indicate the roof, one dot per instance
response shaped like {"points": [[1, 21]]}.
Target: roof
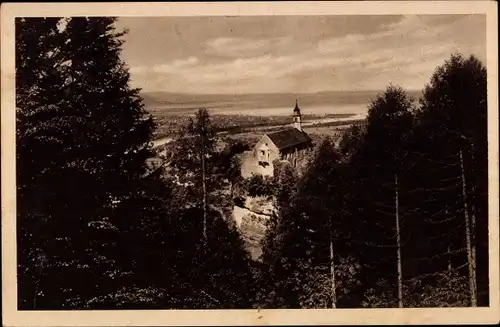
{"points": [[287, 138], [296, 109]]}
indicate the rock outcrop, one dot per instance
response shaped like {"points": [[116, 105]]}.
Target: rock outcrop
{"points": [[251, 220]]}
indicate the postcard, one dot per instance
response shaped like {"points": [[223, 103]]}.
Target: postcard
{"points": [[249, 163]]}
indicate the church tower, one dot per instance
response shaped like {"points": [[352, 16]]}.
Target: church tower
{"points": [[297, 118]]}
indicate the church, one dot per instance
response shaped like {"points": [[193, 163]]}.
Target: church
{"points": [[289, 144]]}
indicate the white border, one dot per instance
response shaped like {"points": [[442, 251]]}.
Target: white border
{"points": [[12, 317]]}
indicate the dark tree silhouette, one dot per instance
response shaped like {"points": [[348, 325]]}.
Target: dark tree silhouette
{"points": [[82, 143], [453, 123]]}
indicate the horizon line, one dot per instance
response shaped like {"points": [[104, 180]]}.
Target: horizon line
{"points": [[273, 93]]}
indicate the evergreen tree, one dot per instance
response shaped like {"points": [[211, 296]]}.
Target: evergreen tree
{"points": [[306, 251], [192, 160], [40, 133], [217, 270], [92, 127], [381, 168], [441, 188], [351, 141], [453, 119], [113, 132], [284, 181]]}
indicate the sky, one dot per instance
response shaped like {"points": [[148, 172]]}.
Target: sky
{"points": [[299, 54]]}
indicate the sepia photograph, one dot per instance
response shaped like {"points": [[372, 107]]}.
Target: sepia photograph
{"points": [[170, 158]]}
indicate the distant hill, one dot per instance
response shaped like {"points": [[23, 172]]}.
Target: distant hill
{"points": [[162, 99]]}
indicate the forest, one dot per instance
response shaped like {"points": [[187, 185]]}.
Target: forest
{"points": [[395, 216]]}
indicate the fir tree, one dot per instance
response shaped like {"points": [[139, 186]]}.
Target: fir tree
{"points": [[453, 119], [381, 166], [95, 134], [306, 251], [40, 133], [217, 268]]}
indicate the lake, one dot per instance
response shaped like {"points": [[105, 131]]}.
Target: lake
{"points": [[344, 102]]}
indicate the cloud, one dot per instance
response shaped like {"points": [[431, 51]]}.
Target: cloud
{"points": [[240, 47], [405, 51], [338, 44], [170, 67]]}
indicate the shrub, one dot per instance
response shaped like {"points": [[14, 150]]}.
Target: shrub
{"points": [[239, 201], [258, 185]]}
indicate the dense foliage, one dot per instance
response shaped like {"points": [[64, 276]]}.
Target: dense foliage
{"points": [[81, 156], [395, 215], [97, 229], [402, 205]]}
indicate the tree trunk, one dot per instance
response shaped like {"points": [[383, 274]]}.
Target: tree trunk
{"points": [[449, 258], [473, 220], [332, 276], [204, 185], [398, 240], [35, 296], [471, 264]]}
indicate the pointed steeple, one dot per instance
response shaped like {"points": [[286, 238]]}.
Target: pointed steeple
{"points": [[297, 117], [296, 109]]}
